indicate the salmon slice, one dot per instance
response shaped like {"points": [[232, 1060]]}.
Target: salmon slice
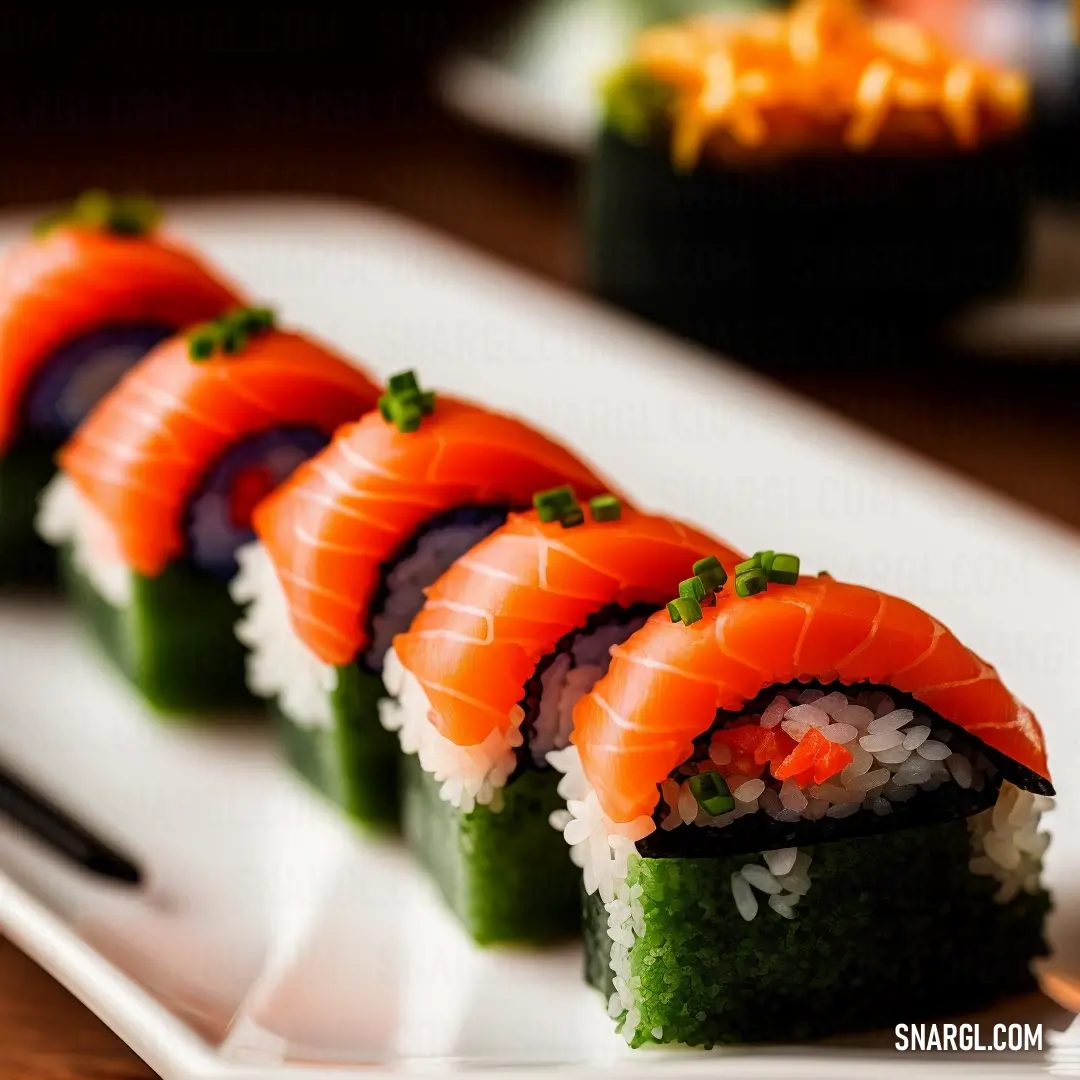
{"points": [[142, 453], [504, 605], [666, 683], [71, 281], [349, 510]]}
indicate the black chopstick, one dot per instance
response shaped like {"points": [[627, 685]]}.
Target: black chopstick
{"points": [[49, 824]]}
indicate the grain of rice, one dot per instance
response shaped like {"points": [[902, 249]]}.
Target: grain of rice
{"points": [[1022, 807], [809, 714], [792, 797], [861, 763], [881, 806], [884, 706], [890, 721], [775, 711], [808, 696], [780, 860], [786, 910], [870, 780], [832, 703], [886, 740], [748, 792], [769, 801], [797, 881], [657, 1033], [720, 753], [761, 879], [840, 733], [795, 728], [895, 755], [933, 750], [915, 770], [745, 900], [688, 806], [858, 716], [982, 865], [815, 809], [960, 769], [842, 811], [916, 736], [789, 815]]}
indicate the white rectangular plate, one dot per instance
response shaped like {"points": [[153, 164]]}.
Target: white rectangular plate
{"points": [[272, 942]]}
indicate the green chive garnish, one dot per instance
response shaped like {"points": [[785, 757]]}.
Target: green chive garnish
{"points": [[605, 508], [552, 504], [783, 569], [824, 573], [693, 589], [753, 563], [765, 560], [574, 516], [712, 793], [124, 215], [404, 404], [402, 382], [684, 610], [201, 345], [713, 575], [228, 333], [750, 582]]}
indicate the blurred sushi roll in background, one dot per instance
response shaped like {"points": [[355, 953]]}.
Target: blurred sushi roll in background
{"points": [[483, 684], [96, 287], [346, 549], [812, 184], [805, 810], [157, 487]]}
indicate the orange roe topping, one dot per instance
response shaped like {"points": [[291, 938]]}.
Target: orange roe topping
{"points": [[823, 76]]}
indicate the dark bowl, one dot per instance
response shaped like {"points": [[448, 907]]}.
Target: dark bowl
{"points": [[809, 260]]}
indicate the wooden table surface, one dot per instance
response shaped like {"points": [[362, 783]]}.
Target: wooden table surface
{"points": [[1013, 428]]}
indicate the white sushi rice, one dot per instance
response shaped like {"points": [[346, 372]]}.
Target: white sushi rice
{"points": [[279, 663], [470, 775], [65, 518], [473, 775], [895, 754]]}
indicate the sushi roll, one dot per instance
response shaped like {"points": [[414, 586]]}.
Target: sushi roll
{"points": [[347, 548], [156, 490], [806, 810], [807, 184], [484, 683], [95, 288]]}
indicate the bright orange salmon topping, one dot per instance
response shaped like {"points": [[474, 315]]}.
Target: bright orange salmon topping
{"points": [[823, 76]]}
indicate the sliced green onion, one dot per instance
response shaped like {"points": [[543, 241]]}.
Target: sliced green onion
{"points": [[553, 503], [712, 573], [605, 507], [824, 573], [128, 215], [753, 563], [255, 320], [402, 381], [712, 793], [574, 516], [684, 610], [427, 402], [693, 589], [202, 343], [764, 560], [750, 582], [784, 569]]}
